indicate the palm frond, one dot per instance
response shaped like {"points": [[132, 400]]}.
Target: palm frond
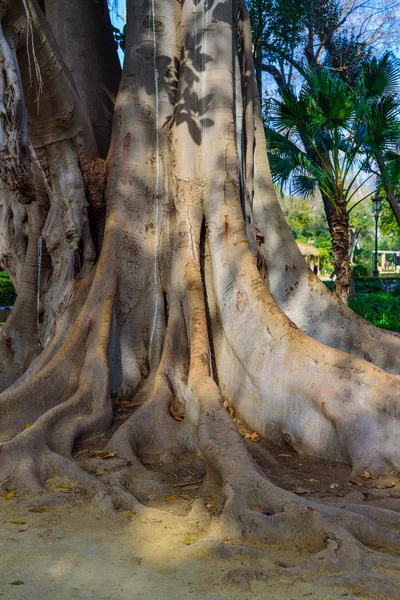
{"points": [[381, 75], [288, 112], [303, 185], [390, 176], [329, 96], [383, 125]]}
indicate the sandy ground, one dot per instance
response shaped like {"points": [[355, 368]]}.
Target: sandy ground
{"points": [[174, 550], [76, 551]]}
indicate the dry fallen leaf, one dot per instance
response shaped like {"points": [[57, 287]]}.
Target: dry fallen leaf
{"points": [[312, 480], [366, 475], [285, 455], [15, 522], [104, 454], [385, 486], [226, 403], [254, 437], [28, 425], [19, 528], [187, 540], [174, 414], [10, 495], [64, 486], [357, 482], [173, 496]]}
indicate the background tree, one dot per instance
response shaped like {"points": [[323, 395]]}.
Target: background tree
{"points": [[315, 143], [336, 136], [338, 34], [198, 297], [307, 220], [379, 113]]}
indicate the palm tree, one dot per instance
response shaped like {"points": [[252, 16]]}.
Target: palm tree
{"points": [[379, 113], [316, 142]]}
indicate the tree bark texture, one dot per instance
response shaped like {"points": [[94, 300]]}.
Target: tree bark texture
{"points": [[82, 29], [341, 250], [199, 297]]}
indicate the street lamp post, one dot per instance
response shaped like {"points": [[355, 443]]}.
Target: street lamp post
{"points": [[376, 203]]}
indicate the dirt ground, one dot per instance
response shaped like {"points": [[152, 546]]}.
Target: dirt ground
{"points": [[73, 550], [65, 547]]}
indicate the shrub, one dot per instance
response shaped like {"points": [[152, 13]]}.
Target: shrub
{"points": [[7, 292], [360, 271], [380, 309]]}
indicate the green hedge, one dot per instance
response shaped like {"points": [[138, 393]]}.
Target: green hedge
{"points": [[7, 292], [380, 309], [373, 303], [370, 285]]}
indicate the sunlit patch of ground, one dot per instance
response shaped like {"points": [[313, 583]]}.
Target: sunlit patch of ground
{"points": [[74, 550], [174, 550]]}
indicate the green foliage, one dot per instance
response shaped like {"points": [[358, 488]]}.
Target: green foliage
{"points": [[309, 226], [389, 228], [314, 138], [380, 309], [290, 35], [346, 54], [360, 271], [7, 292], [376, 306], [380, 76], [277, 24], [369, 285], [333, 136]]}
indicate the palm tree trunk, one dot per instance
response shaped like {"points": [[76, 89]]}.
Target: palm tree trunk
{"points": [[341, 250]]}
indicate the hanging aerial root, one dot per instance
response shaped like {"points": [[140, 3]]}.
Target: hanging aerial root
{"points": [[15, 166]]}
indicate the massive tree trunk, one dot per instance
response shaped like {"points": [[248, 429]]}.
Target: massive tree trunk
{"points": [[198, 298]]}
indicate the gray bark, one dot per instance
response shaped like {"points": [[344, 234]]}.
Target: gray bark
{"points": [[82, 29]]}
